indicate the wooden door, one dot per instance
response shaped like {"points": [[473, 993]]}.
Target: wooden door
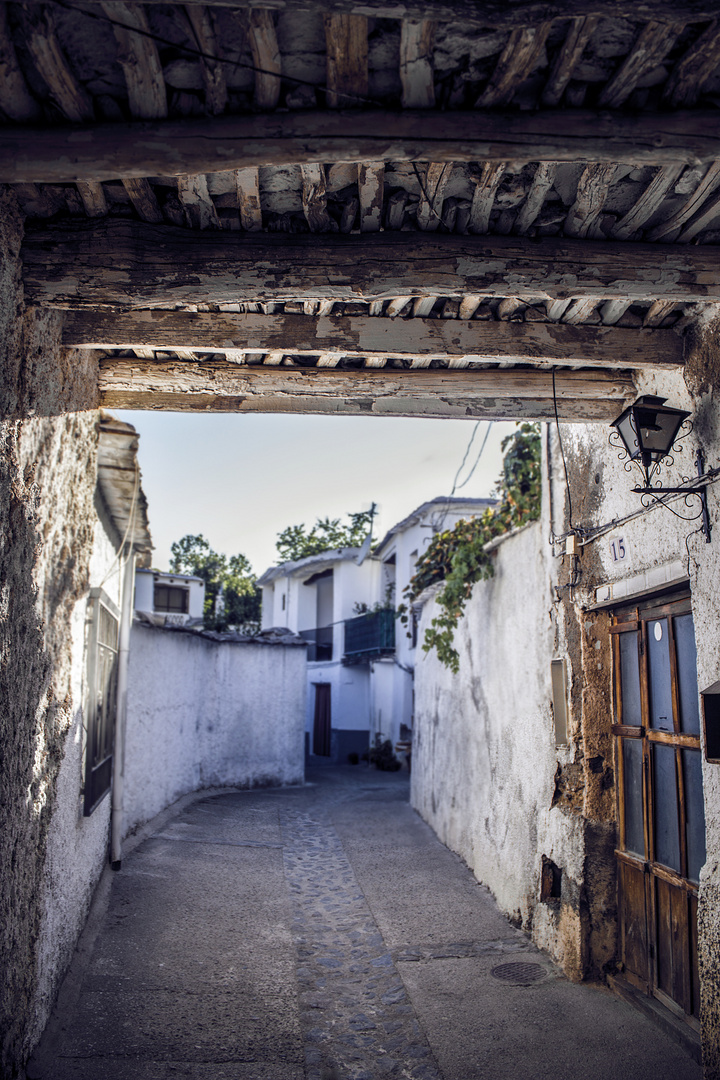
{"points": [[322, 721], [661, 808]]}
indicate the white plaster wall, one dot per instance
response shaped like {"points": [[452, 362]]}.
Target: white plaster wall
{"points": [[484, 753], [77, 845], [203, 714]]}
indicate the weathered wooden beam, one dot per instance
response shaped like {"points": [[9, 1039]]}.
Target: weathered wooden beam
{"points": [[16, 101], [248, 192], [222, 386], [266, 58], [648, 203], [515, 64], [495, 13], [353, 335], [125, 263], [569, 56], [213, 72], [429, 211], [175, 147], [592, 191], [346, 40], [139, 59], [416, 63], [654, 42], [38, 24], [691, 73]]}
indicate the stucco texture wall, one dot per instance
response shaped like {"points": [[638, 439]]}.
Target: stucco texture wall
{"points": [[47, 482], [203, 713], [484, 756]]}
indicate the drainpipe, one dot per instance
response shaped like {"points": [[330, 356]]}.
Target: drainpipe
{"points": [[121, 714]]}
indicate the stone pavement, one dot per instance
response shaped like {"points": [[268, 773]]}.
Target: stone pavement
{"points": [[323, 933]]}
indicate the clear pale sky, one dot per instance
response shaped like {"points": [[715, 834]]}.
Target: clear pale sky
{"points": [[240, 480]]}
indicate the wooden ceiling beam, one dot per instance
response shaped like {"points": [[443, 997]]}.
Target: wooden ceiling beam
{"points": [[353, 336], [227, 387], [123, 264], [495, 13], [174, 147]]}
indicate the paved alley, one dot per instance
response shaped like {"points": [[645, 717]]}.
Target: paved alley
{"points": [[323, 933]]}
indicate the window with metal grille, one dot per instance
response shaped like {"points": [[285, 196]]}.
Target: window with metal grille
{"points": [[101, 698], [171, 598]]}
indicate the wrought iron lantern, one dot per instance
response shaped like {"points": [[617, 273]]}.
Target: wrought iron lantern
{"points": [[648, 429], [647, 433]]}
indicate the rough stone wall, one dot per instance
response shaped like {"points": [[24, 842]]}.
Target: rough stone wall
{"points": [[203, 713], [47, 481]]}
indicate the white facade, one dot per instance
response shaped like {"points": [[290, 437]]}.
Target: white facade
{"points": [[314, 597], [370, 695], [169, 599], [398, 553]]}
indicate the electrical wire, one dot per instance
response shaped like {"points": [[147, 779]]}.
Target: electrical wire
{"points": [[202, 55], [469, 476], [437, 524], [423, 189]]}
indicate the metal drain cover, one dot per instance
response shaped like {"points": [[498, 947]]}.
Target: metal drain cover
{"points": [[519, 974]]}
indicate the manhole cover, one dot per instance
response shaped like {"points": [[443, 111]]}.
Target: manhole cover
{"points": [[520, 974]]}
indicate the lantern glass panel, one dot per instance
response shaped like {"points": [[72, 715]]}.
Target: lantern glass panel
{"points": [[657, 430], [627, 433]]}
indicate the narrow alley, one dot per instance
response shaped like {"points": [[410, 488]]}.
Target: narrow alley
{"points": [[323, 933]]}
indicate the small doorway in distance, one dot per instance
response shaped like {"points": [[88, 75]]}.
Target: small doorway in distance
{"points": [[322, 721]]}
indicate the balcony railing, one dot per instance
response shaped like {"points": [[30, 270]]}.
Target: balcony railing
{"points": [[320, 645], [369, 636]]}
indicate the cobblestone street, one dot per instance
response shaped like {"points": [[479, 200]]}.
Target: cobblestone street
{"points": [[323, 933]]}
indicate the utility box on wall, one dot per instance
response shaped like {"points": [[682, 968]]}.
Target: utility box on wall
{"points": [[711, 722]]}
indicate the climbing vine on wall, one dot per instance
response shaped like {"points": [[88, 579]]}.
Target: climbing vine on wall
{"points": [[458, 557]]}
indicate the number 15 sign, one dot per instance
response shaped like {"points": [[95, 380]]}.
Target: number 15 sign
{"points": [[618, 549]]}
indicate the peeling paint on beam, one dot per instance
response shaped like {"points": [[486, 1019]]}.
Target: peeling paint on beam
{"points": [[577, 410], [129, 264], [353, 336], [176, 147], [581, 395]]}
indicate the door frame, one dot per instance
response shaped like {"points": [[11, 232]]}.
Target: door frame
{"points": [[677, 888]]}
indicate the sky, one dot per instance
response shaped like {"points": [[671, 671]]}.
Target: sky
{"points": [[240, 479]]}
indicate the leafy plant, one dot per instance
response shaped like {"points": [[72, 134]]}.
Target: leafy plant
{"points": [[458, 556], [232, 579], [327, 534]]}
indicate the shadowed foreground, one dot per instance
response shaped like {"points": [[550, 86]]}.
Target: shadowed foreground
{"points": [[323, 933]]}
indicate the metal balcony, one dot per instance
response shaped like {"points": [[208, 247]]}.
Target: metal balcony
{"points": [[320, 645], [369, 636]]}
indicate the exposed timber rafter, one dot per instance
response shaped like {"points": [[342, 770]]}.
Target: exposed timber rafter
{"points": [[176, 147], [118, 263], [227, 387], [496, 13], [363, 336]]}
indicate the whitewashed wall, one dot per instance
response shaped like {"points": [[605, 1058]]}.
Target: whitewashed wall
{"points": [[484, 754], [204, 713], [77, 846]]}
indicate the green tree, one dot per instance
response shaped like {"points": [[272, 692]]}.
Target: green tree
{"points": [[234, 576], [327, 534], [458, 556]]}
